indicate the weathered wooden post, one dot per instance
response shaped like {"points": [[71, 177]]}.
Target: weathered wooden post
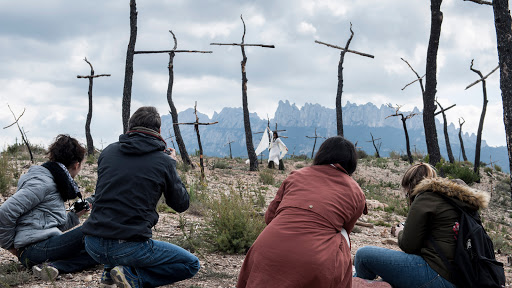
{"points": [[404, 125], [339, 113], [253, 159], [196, 127], [314, 143], [174, 112], [90, 145]]}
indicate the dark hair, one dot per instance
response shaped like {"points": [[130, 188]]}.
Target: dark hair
{"points": [[147, 117], [275, 133], [66, 150], [337, 150]]}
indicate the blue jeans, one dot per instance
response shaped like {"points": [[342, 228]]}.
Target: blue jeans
{"points": [[156, 263], [65, 252], [397, 268]]}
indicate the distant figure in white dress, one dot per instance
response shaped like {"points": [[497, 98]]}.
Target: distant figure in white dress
{"points": [[277, 151]]}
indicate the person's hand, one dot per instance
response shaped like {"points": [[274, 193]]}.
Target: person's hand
{"points": [[172, 154], [83, 212], [399, 227], [13, 251]]}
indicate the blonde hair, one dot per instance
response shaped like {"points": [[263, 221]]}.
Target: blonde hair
{"points": [[415, 174]]}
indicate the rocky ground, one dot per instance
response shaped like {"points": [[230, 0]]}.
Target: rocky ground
{"points": [[221, 270]]}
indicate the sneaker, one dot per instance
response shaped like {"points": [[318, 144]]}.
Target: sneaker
{"points": [[124, 278], [106, 280], [45, 271]]}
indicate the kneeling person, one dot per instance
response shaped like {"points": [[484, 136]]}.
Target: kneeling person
{"points": [[132, 175]]}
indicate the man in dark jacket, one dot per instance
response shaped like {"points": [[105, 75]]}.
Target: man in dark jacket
{"points": [[132, 175]]}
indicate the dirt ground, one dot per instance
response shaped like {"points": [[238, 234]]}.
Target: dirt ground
{"points": [[221, 270]]}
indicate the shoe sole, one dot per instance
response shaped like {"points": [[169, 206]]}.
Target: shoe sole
{"points": [[119, 278], [46, 273]]}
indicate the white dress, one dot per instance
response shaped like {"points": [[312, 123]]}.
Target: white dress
{"points": [[277, 150]]}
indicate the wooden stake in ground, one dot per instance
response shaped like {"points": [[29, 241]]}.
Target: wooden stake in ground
{"points": [[196, 127], [230, 154], [476, 164], [339, 112], [174, 112], [314, 143], [22, 132], [460, 140], [404, 119], [90, 145], [376, 146], [128, 70], [445, 127], [253, 159]]}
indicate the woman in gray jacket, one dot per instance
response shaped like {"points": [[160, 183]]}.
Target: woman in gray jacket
{"points": [[33, 221]]}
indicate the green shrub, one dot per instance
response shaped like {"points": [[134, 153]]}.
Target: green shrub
{"points": [[233, 223], [13, 274], [457, 171], [221, 165], [394, 155], [361, 154], [267, 177], [487, 170], [497, 168]]}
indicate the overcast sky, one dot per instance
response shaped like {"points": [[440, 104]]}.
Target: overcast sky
{"points": [[43, 44]]}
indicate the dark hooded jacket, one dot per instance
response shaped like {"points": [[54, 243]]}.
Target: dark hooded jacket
{"points": [[431, 214], [132, 175]]}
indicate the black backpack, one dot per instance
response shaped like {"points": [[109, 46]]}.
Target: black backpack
{"points": [[475, 264]]}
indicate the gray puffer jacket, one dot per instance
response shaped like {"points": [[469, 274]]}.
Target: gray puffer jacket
{"points": [[35, 212]]}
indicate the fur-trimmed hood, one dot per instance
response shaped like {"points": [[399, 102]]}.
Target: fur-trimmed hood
{"points": [[475, 198]]}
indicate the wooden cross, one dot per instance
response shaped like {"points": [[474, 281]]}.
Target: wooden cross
{"points": [[170, 137], [174, 112], [196, 127], [375, 146], [404, 125], [90, 145], [339, 115], [314, 144], [229, 143], [253, 159]]}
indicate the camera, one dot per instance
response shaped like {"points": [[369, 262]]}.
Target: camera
{"points": [[80, 205], [168, 151]]}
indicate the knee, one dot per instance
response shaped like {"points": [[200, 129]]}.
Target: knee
{"points": [[364, 253], [193, 267]]}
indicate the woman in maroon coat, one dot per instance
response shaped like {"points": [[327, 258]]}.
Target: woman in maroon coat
{"points": [[305, 243]]}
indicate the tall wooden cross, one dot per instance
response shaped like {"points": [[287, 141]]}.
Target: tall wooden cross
{"points": [[196, 127], [253, 159], [170, 137], [339, 118], [314, 144], [90, 145], [174, 112]]}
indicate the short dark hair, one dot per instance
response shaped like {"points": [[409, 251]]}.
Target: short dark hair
{"points": [[66, 150], [337, 150], [147, 117]]}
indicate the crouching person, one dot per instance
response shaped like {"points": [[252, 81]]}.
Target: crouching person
{"points": [[34, 224], [132, 175]]}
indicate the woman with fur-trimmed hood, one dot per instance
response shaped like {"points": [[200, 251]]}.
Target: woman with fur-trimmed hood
{"points": [[429, 214]]}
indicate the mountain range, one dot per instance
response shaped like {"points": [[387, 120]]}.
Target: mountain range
{"points": [[358, 122]]}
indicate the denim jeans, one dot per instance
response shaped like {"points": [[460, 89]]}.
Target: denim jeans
{"points": [[397, 268], [65, 252], [156, 263]]}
